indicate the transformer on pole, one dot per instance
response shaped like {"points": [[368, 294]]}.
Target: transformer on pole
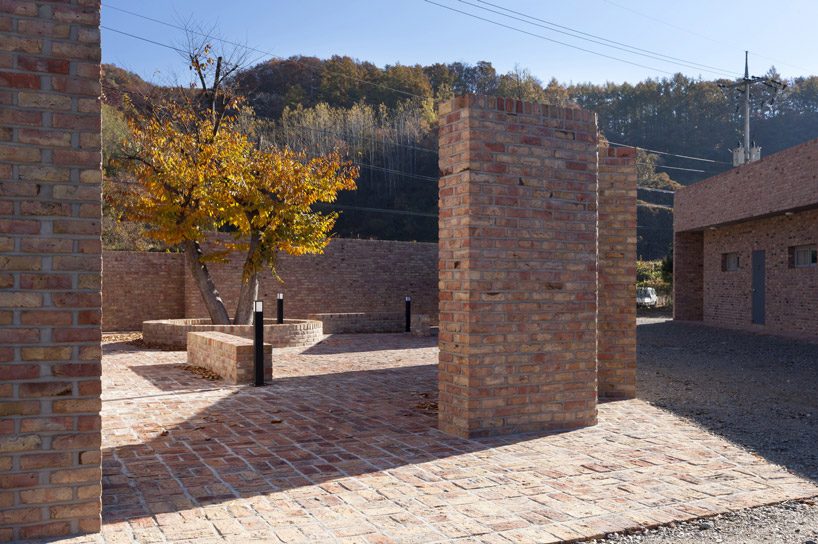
{"points": [[747, 151]]}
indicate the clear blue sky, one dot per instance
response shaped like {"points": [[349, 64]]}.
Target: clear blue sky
{"points": [[710, 32]]}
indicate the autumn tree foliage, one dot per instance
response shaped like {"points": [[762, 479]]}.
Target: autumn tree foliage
{"points": [[201, 176]]}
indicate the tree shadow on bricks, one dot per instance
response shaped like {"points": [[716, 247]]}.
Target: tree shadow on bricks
{"points": [[757, 391], [296, 432]]}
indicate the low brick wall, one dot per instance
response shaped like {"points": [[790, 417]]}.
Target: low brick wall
{"points": [[231, 357], [173, 333], [357, 276], [342, 323], [141, 285], [369, 276]]}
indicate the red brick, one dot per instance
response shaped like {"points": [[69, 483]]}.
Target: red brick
{"points": [[18, 372], [44, 530], [45, 389], [42, 64], [76, 334], [19, 81]]}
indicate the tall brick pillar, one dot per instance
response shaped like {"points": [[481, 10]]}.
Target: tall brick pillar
{"points": [[518, 276], [617, 273], [688, 276], [49, 268]]}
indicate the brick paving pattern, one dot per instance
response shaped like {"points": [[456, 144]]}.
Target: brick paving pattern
{"points": [[344, 448]]}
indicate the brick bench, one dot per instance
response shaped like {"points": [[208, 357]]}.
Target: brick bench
{"points": [[422, 325], [231, 357]]}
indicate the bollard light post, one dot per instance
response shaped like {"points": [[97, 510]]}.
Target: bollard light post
{"points": [[258, 342], [280, 308], [408, 313]]}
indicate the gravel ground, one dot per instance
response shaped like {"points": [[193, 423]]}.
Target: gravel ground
{"points": [[760, 392]]}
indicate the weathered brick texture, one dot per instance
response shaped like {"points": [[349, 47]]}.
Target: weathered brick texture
{"points": [[617, 273], [138, 286], [777, 183], [351, 323], [518, 273], [229, 356], [769, 205], [350, 276], [790, 292], [688, 276], [174, 333], [49, 268]]}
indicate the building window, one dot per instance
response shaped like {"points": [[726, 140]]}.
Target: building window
{"points": [[803, 256], [729, 262]]}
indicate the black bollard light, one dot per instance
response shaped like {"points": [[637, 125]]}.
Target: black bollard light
{"points": [[280, 308], [258, 342], [408, 313]]}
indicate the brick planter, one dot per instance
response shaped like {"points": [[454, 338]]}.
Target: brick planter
{"points": [[172, 333]]}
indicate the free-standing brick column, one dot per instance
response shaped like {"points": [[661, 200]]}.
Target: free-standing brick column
{"points": [[518, 245], [617, 273], [688, 275], [49, 268]]}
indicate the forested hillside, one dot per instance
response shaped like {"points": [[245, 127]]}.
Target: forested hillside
{"points": [[384, 120]]}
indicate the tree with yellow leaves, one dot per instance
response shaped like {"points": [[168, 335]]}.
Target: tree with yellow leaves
{"points": [[197, 171]]}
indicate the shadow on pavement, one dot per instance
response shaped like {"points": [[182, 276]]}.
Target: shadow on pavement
{"points": [[758, 391]]}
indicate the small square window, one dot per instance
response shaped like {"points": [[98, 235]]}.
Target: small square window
{"points": [[729, 262], [804, 256]]}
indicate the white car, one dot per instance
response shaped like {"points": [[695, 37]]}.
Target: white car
{"points": [[646, 297]]}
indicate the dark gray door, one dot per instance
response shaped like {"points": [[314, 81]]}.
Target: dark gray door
{"points": [[759, 290]]}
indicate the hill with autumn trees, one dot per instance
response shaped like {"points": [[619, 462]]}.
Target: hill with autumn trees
{"points": [[383, 119]]}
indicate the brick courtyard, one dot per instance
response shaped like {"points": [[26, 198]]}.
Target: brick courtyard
{"points": [[344, 448]]}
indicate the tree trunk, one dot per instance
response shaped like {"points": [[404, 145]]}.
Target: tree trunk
{"points": [[210, 295], [249, 286]]}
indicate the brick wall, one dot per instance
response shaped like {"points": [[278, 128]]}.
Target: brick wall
{"points": [[518, 271], [138, 286], [790, 292], [688, 281], [782, 181], [350, 276], [49, 268], [617, 273]]}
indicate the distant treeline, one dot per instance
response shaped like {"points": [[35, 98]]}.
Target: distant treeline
{"points": [[384, 119]]}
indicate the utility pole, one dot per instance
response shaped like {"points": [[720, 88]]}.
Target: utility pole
{"points": [[748, 153]]}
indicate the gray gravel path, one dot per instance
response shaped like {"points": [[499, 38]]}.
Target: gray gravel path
{"points": [[760, 392]]}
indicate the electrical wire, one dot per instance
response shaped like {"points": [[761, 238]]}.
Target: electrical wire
{"points": [[379, 210], [246, 47], [708, 38], [568, 31], [369, 138], [689, 157], [520, 30]]}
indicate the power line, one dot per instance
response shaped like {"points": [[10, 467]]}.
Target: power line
{"points": [[708, 38], [514, 28], [568, 31], [360, 137], [248, 48], [359, 164], [160, 44], [655, 190], [679, 168], [379, 210], [399, 172], [689, 157]]}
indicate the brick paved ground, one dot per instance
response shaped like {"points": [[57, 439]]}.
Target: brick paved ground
{"points": [[343, 448]]}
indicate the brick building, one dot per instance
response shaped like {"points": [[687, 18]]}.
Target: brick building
{"points": [[745, 246]]}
